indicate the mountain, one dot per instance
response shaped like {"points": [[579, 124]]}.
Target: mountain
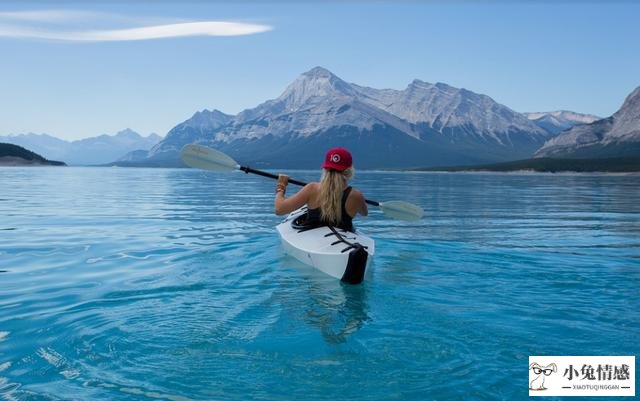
{"points": [[555, 122], [192, 130], [134, 156], [106, 148], [423, 124], [615, 136], [14, 155], [90, 151], [440, 106]]}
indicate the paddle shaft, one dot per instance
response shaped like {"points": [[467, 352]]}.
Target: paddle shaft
{"points": [[248, 170]]}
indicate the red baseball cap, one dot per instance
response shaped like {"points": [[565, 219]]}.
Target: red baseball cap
{"points": [[337, 159]]}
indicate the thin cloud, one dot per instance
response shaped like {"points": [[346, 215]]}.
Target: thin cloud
{"points": [[37, 25], [207, 28], [47, 15]]}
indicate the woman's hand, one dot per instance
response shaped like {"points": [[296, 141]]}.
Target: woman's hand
{"points": [[283, 181], [287, 205]]}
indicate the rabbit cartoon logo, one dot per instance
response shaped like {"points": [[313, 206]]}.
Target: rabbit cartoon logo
{"points": [[540, 372]]}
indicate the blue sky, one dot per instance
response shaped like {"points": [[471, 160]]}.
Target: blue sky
{"points": [[72, 70]]}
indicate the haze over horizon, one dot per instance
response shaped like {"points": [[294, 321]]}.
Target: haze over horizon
{"points": [[83, 70]]}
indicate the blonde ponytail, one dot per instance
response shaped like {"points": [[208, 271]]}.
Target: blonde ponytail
{"points": [[332, 185]]}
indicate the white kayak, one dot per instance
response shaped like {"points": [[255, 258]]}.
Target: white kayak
{"points": [[336, 252]]}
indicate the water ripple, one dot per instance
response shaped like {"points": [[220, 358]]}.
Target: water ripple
{"points": [[127, 284]]}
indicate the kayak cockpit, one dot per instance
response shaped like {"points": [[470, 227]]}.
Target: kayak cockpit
{"points": [[341, 254]]}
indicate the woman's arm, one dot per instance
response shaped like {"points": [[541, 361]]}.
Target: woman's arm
{"points": [[285, 205], [359, 204], [363, 209]]}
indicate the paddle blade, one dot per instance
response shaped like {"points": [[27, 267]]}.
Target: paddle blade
{"points": [[198, 156], [401, 210]]}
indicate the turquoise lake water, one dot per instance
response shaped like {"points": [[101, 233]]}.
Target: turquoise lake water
{"points": [[161, 284]]}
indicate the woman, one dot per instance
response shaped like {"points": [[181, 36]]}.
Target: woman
{"points": [[330, 201]]}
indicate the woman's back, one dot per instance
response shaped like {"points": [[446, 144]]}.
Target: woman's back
{"points": [[315, 217], [335, 202]]}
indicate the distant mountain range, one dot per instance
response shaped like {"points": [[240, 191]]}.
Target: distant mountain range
{"points": [[90, 151], [615, 136], [609, 144], [422, 125], [555, 122]]}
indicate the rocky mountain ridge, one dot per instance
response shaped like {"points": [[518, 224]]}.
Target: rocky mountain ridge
{"points": [[423, 124], [614, 136]]}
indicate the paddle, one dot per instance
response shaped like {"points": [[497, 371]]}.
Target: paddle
{"points": [[202, 157]]}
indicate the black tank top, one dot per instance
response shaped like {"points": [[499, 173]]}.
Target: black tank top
{"points": [[314, 215]]}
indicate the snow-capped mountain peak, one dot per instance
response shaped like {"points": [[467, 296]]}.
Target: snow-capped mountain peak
{"points": [[567, 115], [208, 118], [314, 84], [556, 121]]}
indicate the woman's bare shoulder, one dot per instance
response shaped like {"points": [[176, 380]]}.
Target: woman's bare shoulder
{"points": [[311, 190], [357, 194]]}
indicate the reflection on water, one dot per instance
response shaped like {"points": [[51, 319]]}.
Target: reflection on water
{"points": [[336, 309]]}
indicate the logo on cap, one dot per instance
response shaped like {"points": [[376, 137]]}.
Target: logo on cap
{"points": [[337, 159]]}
